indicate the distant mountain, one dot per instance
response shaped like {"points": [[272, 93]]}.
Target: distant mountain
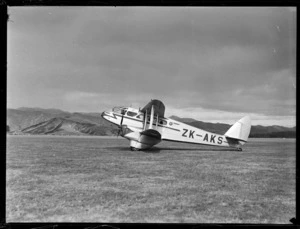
{"points": [[18, 119], [68, 126], [57, 122], [185, 120], [49, 110], [218, 128], [256, 131]]}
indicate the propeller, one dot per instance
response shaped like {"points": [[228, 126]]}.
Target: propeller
{"points": [[121, 127], [122, 130], [119, 131]]}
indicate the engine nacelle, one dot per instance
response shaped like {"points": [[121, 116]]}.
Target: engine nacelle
{"points": [[140, 141]]}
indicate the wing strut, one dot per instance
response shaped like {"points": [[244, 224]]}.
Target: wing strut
{"points": [[145, 123], [151, 118]]}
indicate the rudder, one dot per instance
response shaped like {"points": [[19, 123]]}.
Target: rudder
{"points": [[240, 130]]}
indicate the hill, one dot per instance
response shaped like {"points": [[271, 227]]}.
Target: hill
{"points": [[68, 126], [256, 131], [18, 119], [57, 122]]}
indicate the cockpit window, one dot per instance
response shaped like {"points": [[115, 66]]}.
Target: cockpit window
{"points": [[132, 114]]}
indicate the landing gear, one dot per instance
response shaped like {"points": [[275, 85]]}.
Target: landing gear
{"points": [[239, 149], [134, 149]]}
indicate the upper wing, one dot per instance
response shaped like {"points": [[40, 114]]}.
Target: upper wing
{"points": [[159, 108]]}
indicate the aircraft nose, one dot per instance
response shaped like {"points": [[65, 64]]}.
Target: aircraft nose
{"points": [[103, 113]]}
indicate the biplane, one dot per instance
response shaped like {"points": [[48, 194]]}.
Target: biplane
{"points": [[147, 127]]}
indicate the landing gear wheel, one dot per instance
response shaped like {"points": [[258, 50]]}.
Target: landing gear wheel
{"points": [[239, 149], [134, 149]]}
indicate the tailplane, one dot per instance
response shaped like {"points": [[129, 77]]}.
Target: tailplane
{"points": [[240, 130]]}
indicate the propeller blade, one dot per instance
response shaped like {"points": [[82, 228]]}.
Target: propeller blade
{"points": [[120, 131]]}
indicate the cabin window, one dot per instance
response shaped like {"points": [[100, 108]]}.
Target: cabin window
{"points": [[148, 119], [162, 122], [141, 116], [154, 119], [132, 114]]}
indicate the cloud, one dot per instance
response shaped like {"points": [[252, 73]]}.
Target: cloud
{"points": [[221, 59], [78, 95]]}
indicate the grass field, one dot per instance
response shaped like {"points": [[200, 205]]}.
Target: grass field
{"points": [[75, 179]]}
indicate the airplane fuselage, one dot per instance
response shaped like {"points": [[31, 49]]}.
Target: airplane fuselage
{"points": [[169, 129]]}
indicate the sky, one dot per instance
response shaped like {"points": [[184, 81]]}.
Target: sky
{"points": [[214, 64]]}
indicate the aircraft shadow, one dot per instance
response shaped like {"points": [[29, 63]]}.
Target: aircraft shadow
{"points": [[158, 150], [117, 148], [127, 149]]}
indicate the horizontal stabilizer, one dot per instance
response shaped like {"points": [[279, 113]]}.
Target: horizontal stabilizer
{"points": [[240, 130], [152, 133]]}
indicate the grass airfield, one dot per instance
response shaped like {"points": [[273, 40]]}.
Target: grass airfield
{"points": [[93, 179]]}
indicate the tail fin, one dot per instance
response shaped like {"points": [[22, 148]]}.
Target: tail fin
{"points": [[240, 130]]}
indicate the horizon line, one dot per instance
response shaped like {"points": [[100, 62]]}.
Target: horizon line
{"points": [[168, 117]]}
